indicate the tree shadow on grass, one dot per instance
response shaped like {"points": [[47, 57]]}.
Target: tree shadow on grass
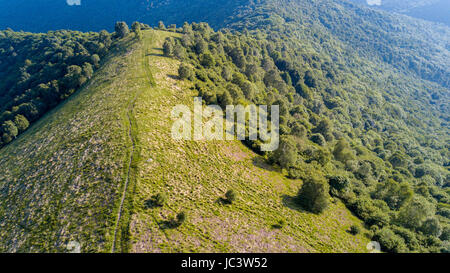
{"points": [[156, 54], [262, 164], [223, 201], [175, 77], [151, 203], [168, 224], [291, 202]]}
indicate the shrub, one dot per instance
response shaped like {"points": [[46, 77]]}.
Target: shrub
{"points": [[313, 195], [354, 230], [181, 218], [160, 199], [230, 196], [185, 72], [122, 29]]}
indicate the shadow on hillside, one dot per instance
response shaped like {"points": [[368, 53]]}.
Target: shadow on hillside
{"points": [[156, 54], [262, 164], [168, 224], [150, 204], [290, 202], [223, 201]]}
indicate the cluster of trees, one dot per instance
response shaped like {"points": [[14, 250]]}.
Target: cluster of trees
{"points": [[333, 137], [38, 71]]}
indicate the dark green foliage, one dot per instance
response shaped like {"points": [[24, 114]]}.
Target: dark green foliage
{"points": [[121, 29], [160, 199], [318, 139], [313, 195], [21, 123], [431, 227], [340, 183], [354, 229], [185, 72], [181, 218], [207, 60], [342, 151], [230, 196], [393, 193]]}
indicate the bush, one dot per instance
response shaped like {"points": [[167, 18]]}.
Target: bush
{"points": [[340, 183], [122, 29], [314, 195], [160, 199], [181, 218], [354, 230], [230, 196], [185, 72]]}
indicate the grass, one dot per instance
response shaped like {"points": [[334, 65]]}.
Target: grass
{"points": [[87, 171]]}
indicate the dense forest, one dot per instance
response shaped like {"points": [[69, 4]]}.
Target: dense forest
{"points": [[40, 70], [343, 134]]}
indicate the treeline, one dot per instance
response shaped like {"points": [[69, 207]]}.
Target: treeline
{"points": [[38, 71], [342, 135]]}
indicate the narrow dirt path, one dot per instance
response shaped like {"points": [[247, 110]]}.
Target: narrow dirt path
{"points": [[146, 72]]}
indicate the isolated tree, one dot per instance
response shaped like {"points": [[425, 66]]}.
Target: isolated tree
{"points": [[230, 196], [160, 199], [314, 195], [179, 52], [121, 29], [105, 38], [181, 218]]}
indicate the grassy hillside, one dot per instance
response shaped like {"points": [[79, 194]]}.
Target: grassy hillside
{"points": [[86, 172], [195, 175]]}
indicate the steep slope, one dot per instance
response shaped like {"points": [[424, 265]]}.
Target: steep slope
{"points": [[86, 171], [195, 175], [61, 180]]}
